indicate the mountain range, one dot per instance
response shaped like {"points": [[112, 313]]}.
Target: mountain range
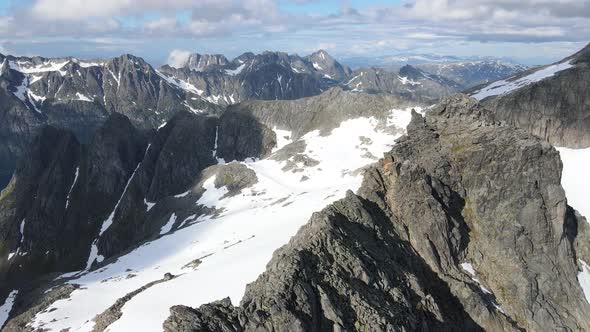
{"points": [[79, 95], [277, 192]]}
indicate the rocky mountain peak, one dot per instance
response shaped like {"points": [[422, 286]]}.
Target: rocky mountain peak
{"points": [[328, 66], [444, 235], [411, 72], [203, 62]]}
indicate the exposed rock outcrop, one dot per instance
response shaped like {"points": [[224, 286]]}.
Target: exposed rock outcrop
{"points": [[80, 96], [46, 221], [462, 226], [556, 108], [324, 112], [408, 82]]}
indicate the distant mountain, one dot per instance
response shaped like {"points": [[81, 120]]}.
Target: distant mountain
{"points": [[465, 71], [550, 101], [408, 82], [80, 95], [401, 59], [266, 76], [204, 62], [471, 73]]}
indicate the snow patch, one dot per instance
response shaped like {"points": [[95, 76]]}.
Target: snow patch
{"points": [[406, 80], [575, 179], [284, 137], [27, 67], [212, 195], [168, 227], [584, 279], [236, 71], [148, 205], [6, 307], [82, 97], [193, 110], [72, 187], [184, 85]]}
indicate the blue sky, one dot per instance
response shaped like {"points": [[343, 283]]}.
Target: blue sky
{"points": [[530, 31]]}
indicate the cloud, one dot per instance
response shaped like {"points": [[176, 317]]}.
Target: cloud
{"points": [[234, 25], [178, 58]]}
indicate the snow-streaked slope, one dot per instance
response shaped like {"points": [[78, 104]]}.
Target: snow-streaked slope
{"points": [[27, 67], [504, 86], [175, 82], [575, 179], [233, 247]]}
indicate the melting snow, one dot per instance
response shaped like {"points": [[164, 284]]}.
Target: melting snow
{"points": [[575, 179], [26, 67], [406, 80], [85, 64], [296, 70], [186, 86], [317, 66], [7, 307], [235, 71], [82, 97], [194, 110], [584, 279], [166, 228], [148, 205], [503, 86], [234, 245], [213, 99]]}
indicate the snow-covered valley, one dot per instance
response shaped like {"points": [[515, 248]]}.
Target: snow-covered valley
{"points": [[213, 256]]}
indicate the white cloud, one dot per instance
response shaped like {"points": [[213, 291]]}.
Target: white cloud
{"points": [[178, 58]]}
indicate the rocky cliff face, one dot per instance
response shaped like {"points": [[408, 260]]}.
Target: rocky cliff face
{"points": [[71, 205], [323, 112], [201, 62], [80, 95], [445, 234], [551, 102], [47, 223]]}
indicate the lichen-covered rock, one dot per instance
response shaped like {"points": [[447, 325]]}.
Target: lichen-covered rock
{"points": [[462, 226]]}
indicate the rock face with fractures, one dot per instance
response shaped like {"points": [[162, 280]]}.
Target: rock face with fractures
{"points": [[80, 96], [556, 108], [462, 226]]}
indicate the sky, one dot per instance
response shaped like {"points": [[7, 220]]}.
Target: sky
{"points": [[527, 31]]}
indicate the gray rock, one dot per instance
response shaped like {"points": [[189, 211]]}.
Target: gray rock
{"points": [[458, 188], [556, 109], [408, 82], [473, 73], [81, 98], [324, 112]]}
